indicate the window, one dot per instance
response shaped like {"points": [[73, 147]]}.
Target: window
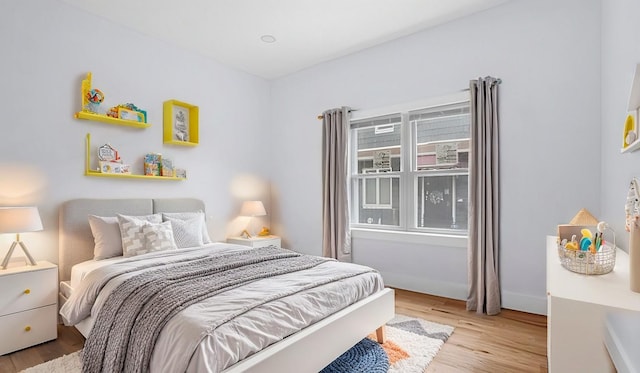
{"points": [[410, 169]]}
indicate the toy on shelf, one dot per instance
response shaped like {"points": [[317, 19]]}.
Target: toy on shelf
{"points": [[128, 111], [109, 161], [630, 133], [94, 99]]}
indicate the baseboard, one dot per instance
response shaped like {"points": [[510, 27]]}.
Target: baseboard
{"points": [[524, 302], [510, 300], [421, 285]]}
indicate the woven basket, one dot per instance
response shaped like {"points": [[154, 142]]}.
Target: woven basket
{"points": [[588, 263]]}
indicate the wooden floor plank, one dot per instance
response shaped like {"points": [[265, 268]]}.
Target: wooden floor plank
{"points": [[509, 342]]}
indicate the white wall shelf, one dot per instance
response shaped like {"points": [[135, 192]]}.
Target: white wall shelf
{"points": [[632, 147]]}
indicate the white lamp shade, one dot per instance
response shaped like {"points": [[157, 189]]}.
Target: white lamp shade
{"points": [[252, 208], [19, 219]]}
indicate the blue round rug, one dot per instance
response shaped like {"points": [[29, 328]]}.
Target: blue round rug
{"points": [[366, 356]]}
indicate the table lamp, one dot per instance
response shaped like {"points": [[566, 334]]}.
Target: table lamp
{"points": [[19, 220], [252, 209]]}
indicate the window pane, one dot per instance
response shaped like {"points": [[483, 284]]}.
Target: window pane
{"points": [[385, 191], [378, 144], [384, 211], [442, 201], [370, 191], [442, 138]]}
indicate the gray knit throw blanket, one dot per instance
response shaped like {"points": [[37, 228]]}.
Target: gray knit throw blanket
{"points": [[133, 315]]}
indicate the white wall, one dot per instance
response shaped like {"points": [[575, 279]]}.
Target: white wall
{"points": [[620, 54], [47, 49], [548, 56]]}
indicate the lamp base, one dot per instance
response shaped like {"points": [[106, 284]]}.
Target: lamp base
{"points": [[5, 262]]}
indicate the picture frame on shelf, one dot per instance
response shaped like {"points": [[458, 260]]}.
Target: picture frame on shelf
{"points": [[133, 115], [107, 153], [180, 123]]}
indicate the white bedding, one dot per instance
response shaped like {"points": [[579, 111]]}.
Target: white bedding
{"points": [[80, 270], [182, 346]]}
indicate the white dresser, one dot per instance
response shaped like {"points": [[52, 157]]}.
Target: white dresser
{"points": [[259, 241], [28, 306], [576, 308]]}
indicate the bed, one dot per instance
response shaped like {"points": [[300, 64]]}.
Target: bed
{"points": [[275, 332]]}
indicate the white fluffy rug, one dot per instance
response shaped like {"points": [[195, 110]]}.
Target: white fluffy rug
{"points": [[411, 345], [66, 364]]}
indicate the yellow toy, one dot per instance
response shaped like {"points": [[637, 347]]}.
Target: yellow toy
{"points": [[264, 232], [629, 134], [573, 245]]}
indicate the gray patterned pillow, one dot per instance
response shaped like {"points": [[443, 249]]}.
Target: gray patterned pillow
{"points": [[158, 237], [187, 233], [189, 216], [133, 242]]}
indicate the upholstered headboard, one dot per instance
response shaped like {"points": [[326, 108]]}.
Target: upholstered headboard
{"points": [[75, 238]]}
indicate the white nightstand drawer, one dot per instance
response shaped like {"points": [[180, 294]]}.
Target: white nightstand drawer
{"points": [[256, 241], [28, 288], [24, 329]]}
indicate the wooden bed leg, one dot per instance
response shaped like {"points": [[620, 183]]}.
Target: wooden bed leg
{"points": [[380, 334]]}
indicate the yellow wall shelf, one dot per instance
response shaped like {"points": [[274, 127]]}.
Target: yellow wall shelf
{"points": [[89, 172], [88, 115], [180, 123], [111, 120]]}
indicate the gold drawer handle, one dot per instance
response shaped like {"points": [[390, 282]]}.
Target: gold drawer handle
{"points": [[27, 328], [27, 291]]}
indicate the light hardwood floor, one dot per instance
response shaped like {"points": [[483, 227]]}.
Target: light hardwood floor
{"points": [[510, 342]]}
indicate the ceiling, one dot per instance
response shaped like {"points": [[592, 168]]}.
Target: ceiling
{"points": [[307, 32]]}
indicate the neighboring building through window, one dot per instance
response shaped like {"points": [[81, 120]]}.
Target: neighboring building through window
{"points": [[410, 169]]}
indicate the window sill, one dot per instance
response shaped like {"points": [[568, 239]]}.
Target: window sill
{"points": [[411, 237]]}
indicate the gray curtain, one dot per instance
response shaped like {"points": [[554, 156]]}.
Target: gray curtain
{"points": [[336, 236], [484, 199]]}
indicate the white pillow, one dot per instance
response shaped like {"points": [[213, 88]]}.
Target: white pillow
{"points": [[189, 216], [158, 237], [187, 233], [106, 236], [133, 242]]}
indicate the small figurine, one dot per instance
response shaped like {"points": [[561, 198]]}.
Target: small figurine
{"points": [[94, 98], [264, 232]]}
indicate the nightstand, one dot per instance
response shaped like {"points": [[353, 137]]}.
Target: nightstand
{"points": [[258, 241], [28, 306]]}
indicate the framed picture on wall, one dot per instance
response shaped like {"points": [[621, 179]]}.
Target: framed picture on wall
{"points": [[180, 124]]}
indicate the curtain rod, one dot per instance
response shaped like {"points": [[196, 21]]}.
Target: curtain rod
{"points": [[498, 81], [320, 117]]}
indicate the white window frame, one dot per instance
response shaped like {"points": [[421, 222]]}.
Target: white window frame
{"points": [[378, 204], [407, 227]]}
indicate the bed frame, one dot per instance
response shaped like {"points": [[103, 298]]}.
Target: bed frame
{"points": [[309, 350]]}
